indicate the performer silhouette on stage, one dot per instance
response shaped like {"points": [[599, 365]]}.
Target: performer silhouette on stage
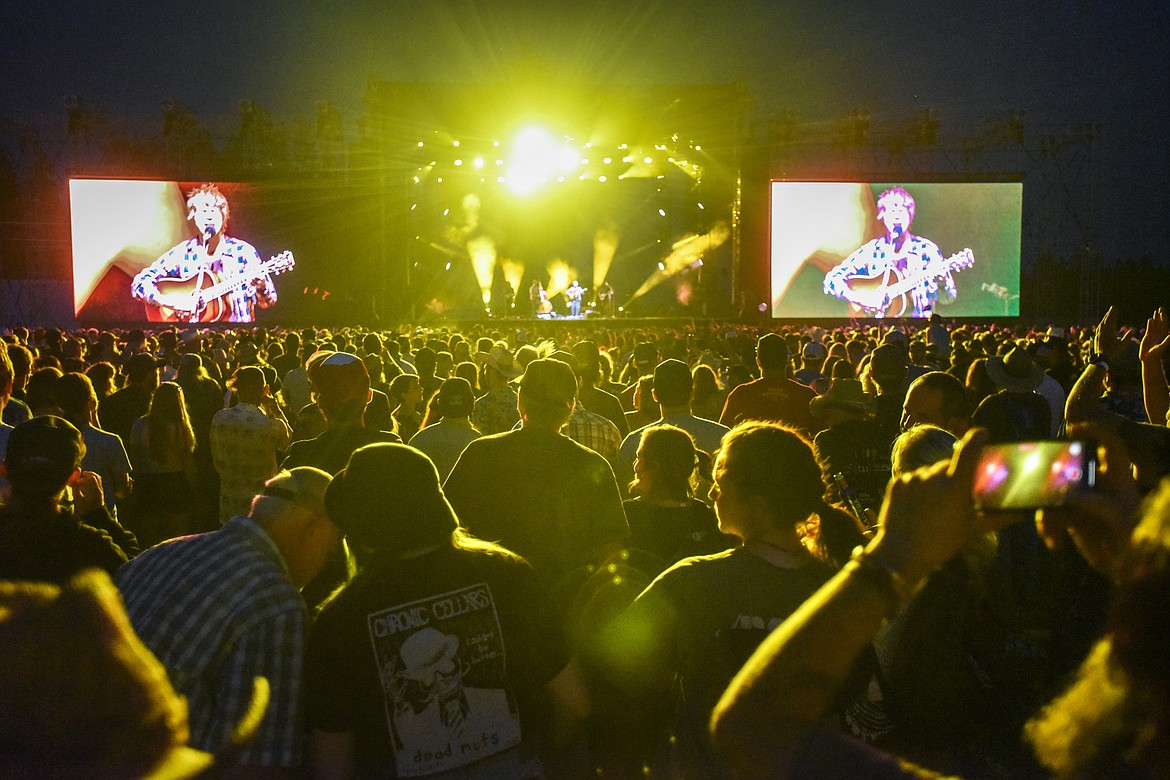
{"points": [[605, 299], [509, 299], [574, 294]]}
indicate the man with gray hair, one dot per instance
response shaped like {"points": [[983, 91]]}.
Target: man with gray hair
{"points": [[221, 608], [210, 256]]}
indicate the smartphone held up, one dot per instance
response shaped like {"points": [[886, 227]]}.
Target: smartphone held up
{"points": [[1033, 474]]}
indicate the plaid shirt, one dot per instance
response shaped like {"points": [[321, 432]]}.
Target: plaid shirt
{"points": [[595, 432], [495, 411], [185, 260], [218, 609]]}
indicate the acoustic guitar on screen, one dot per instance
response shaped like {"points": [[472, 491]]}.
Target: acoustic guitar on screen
{"points": [[203, 296], [884, 293]]}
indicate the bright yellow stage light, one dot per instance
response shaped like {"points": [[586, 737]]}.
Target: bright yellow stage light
{"points": [[482, 251], [513, 272], [687, 252], [560, 275], [536, 158]]}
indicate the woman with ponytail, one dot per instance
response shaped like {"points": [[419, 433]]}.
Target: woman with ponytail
{"points": [[665, 517], [672, 653]]}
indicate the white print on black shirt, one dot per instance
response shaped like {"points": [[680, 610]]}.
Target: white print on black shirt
{"points": [[443, 672]]}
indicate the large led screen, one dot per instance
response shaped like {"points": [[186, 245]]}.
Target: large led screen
{"points": [[894, 249], [167, 251]]}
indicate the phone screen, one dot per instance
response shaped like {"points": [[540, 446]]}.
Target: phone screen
{"points": [[1034, 474]]}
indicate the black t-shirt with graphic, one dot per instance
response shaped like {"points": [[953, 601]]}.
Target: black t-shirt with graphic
{"points": [[435, 664]]}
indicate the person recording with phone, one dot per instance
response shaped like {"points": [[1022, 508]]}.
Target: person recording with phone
{"points": [[1109, 722], [208, 258]]}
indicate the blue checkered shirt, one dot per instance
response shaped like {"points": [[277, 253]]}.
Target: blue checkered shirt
{"points": [[218, 609]]}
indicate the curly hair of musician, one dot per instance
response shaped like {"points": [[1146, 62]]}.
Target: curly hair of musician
{"points": [[215, 194], [896, 192]]}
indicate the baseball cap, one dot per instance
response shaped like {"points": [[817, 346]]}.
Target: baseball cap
{"points": [[814, 350], [340, 377], [455, 398], [388, 496], [42, 454], [142, 363]]}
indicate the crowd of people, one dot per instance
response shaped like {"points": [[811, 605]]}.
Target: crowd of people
{"points": [[702, 550]]}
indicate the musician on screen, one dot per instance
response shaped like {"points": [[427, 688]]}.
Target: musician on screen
{"points": [[212, 261], [898, 274]]}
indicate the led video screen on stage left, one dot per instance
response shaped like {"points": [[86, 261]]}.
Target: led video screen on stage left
{"points": [[894, 249], [127, 232]]}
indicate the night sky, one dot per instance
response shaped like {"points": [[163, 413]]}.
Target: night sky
{"points": [[1061, 62]]}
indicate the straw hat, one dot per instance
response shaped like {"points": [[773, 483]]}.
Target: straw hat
{"points": [[499, 358]]}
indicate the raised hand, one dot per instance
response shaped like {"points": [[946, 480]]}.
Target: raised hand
{"points": [[1106, 341], [1156, 339], [1099, 521]]}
